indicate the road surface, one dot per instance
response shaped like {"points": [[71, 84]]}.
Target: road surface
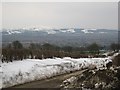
{"points": [[53, 82]]}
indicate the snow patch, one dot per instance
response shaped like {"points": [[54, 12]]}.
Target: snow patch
{"points": [[102, 32], [86, 31], [13, 32], [71, 30]]}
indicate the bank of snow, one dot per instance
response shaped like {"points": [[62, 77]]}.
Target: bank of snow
{"points": [[19, 72]]}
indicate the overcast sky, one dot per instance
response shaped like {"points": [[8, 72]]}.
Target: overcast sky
{"points": [[60, 14]]}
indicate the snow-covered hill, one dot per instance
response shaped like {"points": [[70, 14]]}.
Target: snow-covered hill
{"points": [[54, 30], [19, 72], [47, 30]]}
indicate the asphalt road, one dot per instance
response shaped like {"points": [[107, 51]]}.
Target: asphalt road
{"points": [[53, 82]]}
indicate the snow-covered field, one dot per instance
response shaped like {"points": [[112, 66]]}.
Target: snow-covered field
{"points": [[19, 72]]}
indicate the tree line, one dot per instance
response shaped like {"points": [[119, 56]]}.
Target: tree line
{"points": [[16, 51]]}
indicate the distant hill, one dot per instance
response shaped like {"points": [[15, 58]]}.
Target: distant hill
{"points": [[64, 36]]}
